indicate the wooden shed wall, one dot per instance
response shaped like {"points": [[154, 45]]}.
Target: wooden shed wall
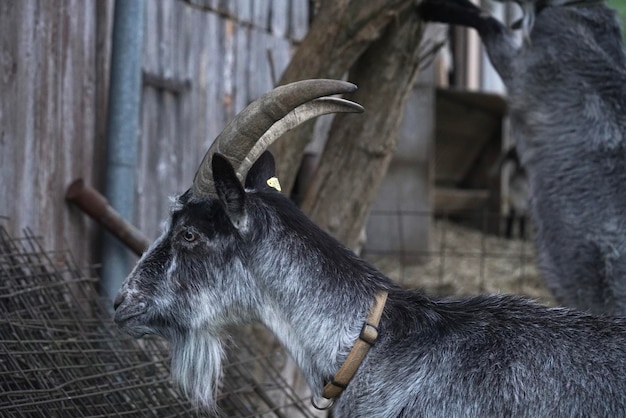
{"points": [[225, 55], [214, 56], [53, 72]]}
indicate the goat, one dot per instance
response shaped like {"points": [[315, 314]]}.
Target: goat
{"points": [[566, 86], [232, 254]]}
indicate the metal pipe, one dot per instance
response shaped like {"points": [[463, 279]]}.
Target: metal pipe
{"points": [[122, 133], [97, 207]]}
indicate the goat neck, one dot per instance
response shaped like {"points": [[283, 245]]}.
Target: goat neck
{"points": [[316, 293]]}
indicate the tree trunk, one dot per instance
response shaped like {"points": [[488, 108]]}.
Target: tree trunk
{"points": [[360, 146], [341, 31], [345, 35]]}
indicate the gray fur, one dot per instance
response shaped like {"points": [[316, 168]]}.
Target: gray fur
{"points": [[487, 356], [567, 98]]}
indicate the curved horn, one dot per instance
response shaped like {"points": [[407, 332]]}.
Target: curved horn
{"points": [[243, 132], [297, 116]]}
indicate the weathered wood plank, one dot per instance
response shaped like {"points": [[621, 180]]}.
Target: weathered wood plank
{"points": [[243, 74], [261, 14], [259, 63], [244, 11], [299, 23], [279, 18], [209, 4], [49, 112]]}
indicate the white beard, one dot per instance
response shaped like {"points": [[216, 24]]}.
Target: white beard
{"points": [[197, 366]]}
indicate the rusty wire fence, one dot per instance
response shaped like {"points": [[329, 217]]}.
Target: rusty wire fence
{"points": [[62, 356]]}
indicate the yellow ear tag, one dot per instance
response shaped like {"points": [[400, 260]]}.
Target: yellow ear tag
{"points": [[274, 184]]}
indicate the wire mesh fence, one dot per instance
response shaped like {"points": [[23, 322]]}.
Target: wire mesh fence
{"points": [[61, 355], [460, 254]]}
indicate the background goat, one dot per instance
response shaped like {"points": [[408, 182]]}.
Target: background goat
{"points": [[567, 97], [231, 254]]}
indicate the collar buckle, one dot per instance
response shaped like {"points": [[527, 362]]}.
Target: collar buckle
{"points": [[369, 333]]}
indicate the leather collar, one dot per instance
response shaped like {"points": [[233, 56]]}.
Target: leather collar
{"points": [[367, 338]]}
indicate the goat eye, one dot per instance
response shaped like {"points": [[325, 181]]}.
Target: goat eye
{"points": [[189, 236]]}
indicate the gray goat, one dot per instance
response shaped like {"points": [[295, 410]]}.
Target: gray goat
{"points": [[567, 96], [232, 254]]}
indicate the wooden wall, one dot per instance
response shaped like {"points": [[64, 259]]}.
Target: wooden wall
{"points": [[223, 56], [203, 61], [53, 72]]}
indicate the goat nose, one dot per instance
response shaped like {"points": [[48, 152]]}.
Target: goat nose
{"points": [[118, 300]]}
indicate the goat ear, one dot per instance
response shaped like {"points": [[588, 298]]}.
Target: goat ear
{"points": [[229, 190], [261, 171]]}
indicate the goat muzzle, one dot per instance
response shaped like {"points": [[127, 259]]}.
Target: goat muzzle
{"points": [[128, 314]]}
